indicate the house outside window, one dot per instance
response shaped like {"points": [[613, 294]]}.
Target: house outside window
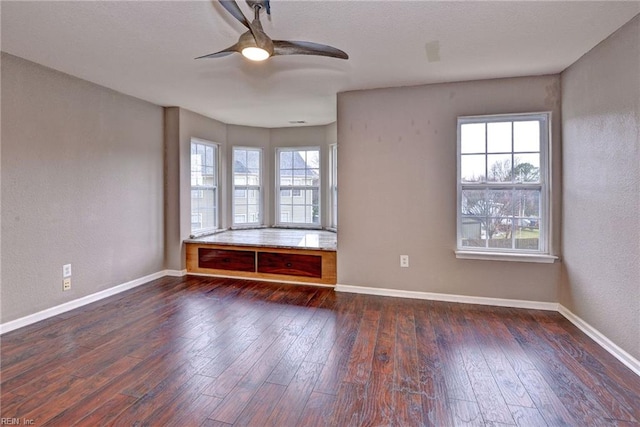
{"points": [[204, 187], [247, 190], [503, 184], [298, 186]]}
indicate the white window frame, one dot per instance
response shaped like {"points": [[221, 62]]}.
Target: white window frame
{"points": [[278, 218], [247, 188], [202, 188], [333, 186], [541, 255]]}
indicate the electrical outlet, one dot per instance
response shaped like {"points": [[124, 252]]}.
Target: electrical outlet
{"points": [[66, 284], [66, 270], [404, 261]]}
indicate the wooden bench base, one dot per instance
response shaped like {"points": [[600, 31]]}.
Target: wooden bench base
{"points": [[266, 263]]}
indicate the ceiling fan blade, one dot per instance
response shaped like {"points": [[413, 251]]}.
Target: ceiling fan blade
{"points": [[232, 7], [225, 52], [286, 47]]}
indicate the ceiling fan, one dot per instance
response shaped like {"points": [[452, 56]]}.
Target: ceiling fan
{"points": [[256, 45]]}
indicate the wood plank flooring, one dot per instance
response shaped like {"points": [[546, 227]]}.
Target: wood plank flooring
{"points": [[198, 351]]}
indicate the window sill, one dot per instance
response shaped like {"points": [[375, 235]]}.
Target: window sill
{"points": [[207, 233], [506, 256]]}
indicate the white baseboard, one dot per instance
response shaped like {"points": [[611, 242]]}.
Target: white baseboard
{"points": [[175, 273], [604, 342], [68, 306], [536, 305]]}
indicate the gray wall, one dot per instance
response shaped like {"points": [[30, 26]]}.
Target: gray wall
{"points": [[180, 126], [82, 183], [397, 180], [601, 188]]}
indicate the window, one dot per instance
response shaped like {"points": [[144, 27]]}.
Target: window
{"points": [[204, 187], [503, 193], [247, 200], [298, 186], [196, 220], [333, 185]]}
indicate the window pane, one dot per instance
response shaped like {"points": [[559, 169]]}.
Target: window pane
{"points": [[499, 233], [200, 149], [472, 168], [204, 208], [474, 203], [299, 214], [209, 155], [473, 232], [309, 216], [499, 168], [285, 213], [254, 196], [311, 176], [500, 203], [526, 136], [285, 196], [253, 160], [472, 138], [286, 160], [241, 210], [527, 203], [313, 158], [499, 137], [527, 168], [528, 234], [239, 162]]}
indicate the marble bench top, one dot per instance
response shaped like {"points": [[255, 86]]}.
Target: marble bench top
{"points": [[273, 238]]}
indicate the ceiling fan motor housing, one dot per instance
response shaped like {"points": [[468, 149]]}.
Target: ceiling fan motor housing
{"points": [[247, 40]]}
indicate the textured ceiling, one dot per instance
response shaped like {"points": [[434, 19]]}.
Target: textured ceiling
{"points": [[147, 48]]}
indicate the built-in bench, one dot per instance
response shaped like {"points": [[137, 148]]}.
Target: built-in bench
{"points": [[292, 255]]}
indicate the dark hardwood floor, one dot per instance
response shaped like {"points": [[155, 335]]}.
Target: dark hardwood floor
{"points": [[198, 351]]}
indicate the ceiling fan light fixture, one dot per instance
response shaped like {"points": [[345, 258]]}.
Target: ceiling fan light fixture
{"points": [[255, 53]]}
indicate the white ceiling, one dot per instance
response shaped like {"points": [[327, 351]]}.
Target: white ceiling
{"points": [[147, 48]]}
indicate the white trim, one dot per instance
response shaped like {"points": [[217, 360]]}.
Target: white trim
{"points": [[260, 279], [80, 302], [628, 360], [500, 302], [175, 273], [545, 203], [215, 187], [505, 256]]}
